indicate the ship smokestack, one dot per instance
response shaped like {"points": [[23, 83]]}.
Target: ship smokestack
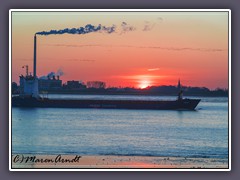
{"points": [[35, 57]]}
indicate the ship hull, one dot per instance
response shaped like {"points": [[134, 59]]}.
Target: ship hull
{"points": [[185, 104]]}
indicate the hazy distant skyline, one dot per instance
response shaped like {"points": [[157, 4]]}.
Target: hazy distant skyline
{"points": [[142, 48]]}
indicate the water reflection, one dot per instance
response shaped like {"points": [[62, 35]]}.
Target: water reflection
{"points": [[125, 132]]}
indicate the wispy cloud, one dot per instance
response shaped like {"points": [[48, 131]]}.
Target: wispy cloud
{"points": [[83, 60], [153, 69], [184, 48], [137, 77], [65, 59], [25, 59], [146, 47], [78, 45]]}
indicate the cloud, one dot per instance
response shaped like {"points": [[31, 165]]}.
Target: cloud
{"points": [[185, 49], [25, 59], [153, 69], [137, 77], [78, 45], [147, 47], [83, 60]]}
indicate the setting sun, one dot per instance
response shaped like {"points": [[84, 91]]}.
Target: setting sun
{"points": [[144, 83]]}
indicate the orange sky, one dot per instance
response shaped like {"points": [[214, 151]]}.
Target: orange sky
{"points": [[161, 47]]}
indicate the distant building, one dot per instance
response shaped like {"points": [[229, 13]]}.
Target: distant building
{"points": [[49, 84], [179, 85], [74, 85]]}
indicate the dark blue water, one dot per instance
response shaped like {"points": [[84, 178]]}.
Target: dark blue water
{"points": [[200, 133]]}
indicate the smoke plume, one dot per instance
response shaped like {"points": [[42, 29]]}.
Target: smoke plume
{"points": [[148, 26], [89, 28], [51, 74], [126, 27], [81, 30], [59, 72]]}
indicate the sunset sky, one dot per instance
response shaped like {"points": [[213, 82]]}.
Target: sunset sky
{"points": [[145, 49]]}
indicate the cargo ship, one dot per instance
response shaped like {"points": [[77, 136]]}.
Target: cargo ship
{"points": [[32, 102], [29, 97]]}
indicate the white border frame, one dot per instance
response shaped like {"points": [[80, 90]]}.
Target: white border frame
{"points": [[121, 10]]}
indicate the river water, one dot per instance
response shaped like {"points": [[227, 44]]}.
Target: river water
{"points": [[200, 133]]}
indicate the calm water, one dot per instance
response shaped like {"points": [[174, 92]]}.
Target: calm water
{"points": [[200, 133]]}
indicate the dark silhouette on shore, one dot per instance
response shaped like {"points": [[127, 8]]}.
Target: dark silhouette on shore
{"points": [[98, 87]]}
